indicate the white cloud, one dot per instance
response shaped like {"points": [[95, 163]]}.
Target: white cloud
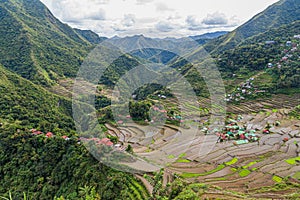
{"points": [[96, 15], [101, 1], [234, 21], [156, 18], [164, 26], [129, 20], [77, 11], [142, 2], [162, 7], [215, 18], [193, 23]]}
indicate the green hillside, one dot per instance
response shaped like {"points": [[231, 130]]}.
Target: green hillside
{"points": [[36, 45], [39, 54], [90, 36], [30, 106], [44, 168], [277, 62], [281, 13]]}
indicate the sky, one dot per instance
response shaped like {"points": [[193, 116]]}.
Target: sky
{"points": [[155, 18]]}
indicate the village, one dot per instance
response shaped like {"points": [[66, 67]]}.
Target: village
{"points": [[248, 89]]}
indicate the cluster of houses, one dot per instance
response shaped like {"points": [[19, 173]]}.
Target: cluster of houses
{"points": [[239, 134], [288, 53], [47, 135], [98, 141], [103, 141], [244, 90], [247, 89]]}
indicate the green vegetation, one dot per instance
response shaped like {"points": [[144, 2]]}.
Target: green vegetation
{"points": [[171, 156], [297, 175], [48, 167], [183, 161], [193, 175], [249, 164], [281, 187], [277, 179], [244, 172], [29, 106], [232, 162], [293, 161], [36, 45], [278, 14], [37, 51], [296, 112]]}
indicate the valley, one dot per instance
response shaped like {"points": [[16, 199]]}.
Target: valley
{"points": [[212, 116]]}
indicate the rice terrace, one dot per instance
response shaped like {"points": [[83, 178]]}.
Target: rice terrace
{"points": [[149, 99]]}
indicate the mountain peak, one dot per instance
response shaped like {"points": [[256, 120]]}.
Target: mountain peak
{"points": [[276, 15]]}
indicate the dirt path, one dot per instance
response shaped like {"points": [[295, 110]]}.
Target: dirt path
{"points": [[148, 186]]}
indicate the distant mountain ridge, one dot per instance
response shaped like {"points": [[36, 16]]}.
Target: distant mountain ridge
{"points": [[210, 35], [153, 49], [90, 36]]}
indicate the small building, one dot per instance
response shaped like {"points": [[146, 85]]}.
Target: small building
{"points": [[297, 36], [288, 43], [65, 137], [49, 135], [37, 133], [106, 142], [270, 42]]}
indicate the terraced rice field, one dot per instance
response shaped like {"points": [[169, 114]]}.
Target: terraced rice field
{"points": [[254, 169]]}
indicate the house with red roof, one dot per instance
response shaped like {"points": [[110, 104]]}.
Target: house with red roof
{"points": [[106, 142], [65, 137], [49, 135]]}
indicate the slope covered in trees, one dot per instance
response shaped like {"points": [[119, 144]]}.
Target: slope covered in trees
{"points": [[36, 45], [31, 106], [281, 13]]}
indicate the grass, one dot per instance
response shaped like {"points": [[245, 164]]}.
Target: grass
{"points": [[140, 188], [293, 161], [171, 156], [233, 169], [232, 162], [182, 155], [249, 164], [297, 175], [244, 172], [193, 175], [183, 161], [219, 179], [275, 110], [277, 179]]}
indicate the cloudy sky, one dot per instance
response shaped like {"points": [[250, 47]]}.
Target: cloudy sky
{"points": [[155, 18]]}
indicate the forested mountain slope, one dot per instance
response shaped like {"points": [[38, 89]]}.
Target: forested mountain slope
{"points": [[36, 45], [276, 15]]}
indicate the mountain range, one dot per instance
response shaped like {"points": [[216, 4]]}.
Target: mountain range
{"points": [[39, 53]]}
